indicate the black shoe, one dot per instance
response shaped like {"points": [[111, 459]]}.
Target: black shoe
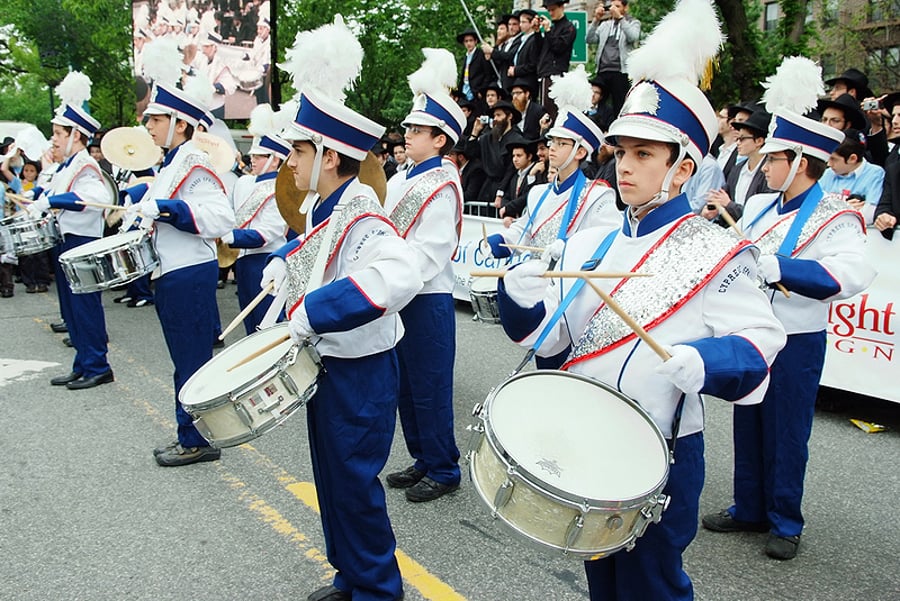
{"points": [[63, 380], [30, 289], [163, 449], [329, 593], [782, 547], [42, 288], [6, 294], [724, 522], [59, 328], [408, 477], [68, 342], [179, 455], [428, 490], [82, 383], [122, 299], [220, 284], [218, 343]]}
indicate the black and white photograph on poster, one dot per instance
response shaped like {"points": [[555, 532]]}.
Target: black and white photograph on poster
{"points": [[225, 42]]}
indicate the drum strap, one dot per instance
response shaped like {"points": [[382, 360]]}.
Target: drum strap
{"points": [[590, 265], [676, 426]]}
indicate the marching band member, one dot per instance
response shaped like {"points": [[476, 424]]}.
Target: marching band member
{"points": [[344, 283], [260, 229], [570, 203], [212, 66], [425, 205], [77, 179], [702, 304], [813, 244], [189, 208]]}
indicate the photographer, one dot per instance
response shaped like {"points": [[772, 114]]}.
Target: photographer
{"points": [[616, 33], [490, 145]]}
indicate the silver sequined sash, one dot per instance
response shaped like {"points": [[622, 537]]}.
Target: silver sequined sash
{"points": [[684, 260], [261, 192], [184, 166], [417, 197], [546, 232], [827, 209], [300, 262]]}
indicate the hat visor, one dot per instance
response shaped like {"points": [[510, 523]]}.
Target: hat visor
{"points": [[778, 146], [638, 128], [423, 118], [568, 134]]}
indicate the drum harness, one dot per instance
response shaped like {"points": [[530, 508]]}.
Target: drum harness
{"points": [[590, 265]]}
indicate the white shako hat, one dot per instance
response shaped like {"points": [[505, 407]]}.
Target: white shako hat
{"points": [[572, 94], [432, 104], [264, 127], [73, 91]]}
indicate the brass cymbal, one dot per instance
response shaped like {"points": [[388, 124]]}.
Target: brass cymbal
{"points": [[130, 148], [219, 151], [289, 198], [225, 254]]}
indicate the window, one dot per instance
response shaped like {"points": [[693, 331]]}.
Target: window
{"points": [[771, 16], [883, 10]]}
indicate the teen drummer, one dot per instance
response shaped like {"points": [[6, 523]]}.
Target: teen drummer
{"points": [[77, 179], [702, 303]]}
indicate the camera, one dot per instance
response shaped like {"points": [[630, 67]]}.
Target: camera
{"points": [[484, 119], [711, 207], [607, 5], [871, 105]]}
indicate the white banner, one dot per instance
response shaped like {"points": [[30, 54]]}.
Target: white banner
{"points": [[862, 330]]}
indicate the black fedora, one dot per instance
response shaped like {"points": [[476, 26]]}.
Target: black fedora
{"points": [[530, 146], [461, 36], [890, 101], [748, 106], [516, 116], [757, 123], [524, 83], [848, 105], [855, 79]]}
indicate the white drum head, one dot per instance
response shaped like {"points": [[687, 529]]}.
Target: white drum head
{"points": [[578, 437], [484, 285], [103, 244], [213, 380]]}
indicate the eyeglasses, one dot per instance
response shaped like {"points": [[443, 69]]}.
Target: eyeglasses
{"points": [[415, 130], [742, 138], [834, 121], [771, 159], [559, 143]]}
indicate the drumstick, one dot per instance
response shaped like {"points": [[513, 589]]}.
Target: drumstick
{"points": [[484, 234], [261, 351], [499, 273], [635, 326], [19, 200], [537, 249], [100, 205], [731, 223], [252, 305]]}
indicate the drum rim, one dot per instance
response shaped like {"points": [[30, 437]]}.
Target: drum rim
{"points": [[490, 435], [139, 240]]}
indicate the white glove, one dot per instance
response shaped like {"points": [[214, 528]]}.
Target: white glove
{"points": [[769, 269], [685, 369], [524, 284], [39, 207], [299, 327], [485, 248], [228, 238], [275, 272], [555, 250], [9, 259], [149, 209]]}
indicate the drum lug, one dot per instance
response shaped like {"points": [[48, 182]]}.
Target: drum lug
{"points": [[243, 415], [573, 532], [476, 410], [651, 512], [503, 495], [476, 432]]}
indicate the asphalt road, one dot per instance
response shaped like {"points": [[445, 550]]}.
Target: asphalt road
{"points": [[86, 514]]}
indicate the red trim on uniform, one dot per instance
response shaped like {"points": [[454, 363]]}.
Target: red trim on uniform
{"points": [[671, 310], [184, 179], [78, 174], [363, 292], [256, 212]]}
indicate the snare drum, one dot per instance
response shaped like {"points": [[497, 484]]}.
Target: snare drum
{"points": [[483, 295], [232, 407], [568, 463], [23, 235], [107, 262]]}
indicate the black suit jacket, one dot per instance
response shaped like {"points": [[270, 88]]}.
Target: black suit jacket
{"points": [[556, 50], [527, 61], [481, 74], [472, 176], [890, 196], [514, 200], [757, 184], [530, 125], [503, 59]]}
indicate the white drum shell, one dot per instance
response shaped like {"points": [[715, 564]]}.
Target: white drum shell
{"points": [[527, 502], [253, 404], [22, 235], [107, 262], [483, 296]]}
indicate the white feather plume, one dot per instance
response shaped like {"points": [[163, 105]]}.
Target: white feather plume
{"points": [[437, 73], [262, 121], [200, 89], [796, 86], [327, 59], [162, 61], [285, 116], [571, 90], [680, 46], [74, 89]]}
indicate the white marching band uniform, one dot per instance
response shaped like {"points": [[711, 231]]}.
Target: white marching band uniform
{"points": [[257, 215]]}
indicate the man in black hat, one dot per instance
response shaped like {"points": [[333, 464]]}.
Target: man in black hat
{"points": [[558, 37], [493, 94], [502, 54], [530, 110], [728, 156], [523, 62], [515, 195], [489, 144], [475, 74], [842, 113], [600, 113], [853, 82], [471, 173]]}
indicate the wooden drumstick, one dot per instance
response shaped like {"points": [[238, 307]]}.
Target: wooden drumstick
{"points": [[635, 326], [499, 273], [19, 200], [100, 205], [259, 352], [252, 305], [726, 216], [484, 234], [537, 249]]}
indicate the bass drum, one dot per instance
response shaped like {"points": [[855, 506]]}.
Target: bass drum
{"points": [[569, 464]]}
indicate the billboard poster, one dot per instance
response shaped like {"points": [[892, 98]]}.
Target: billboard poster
{"points": [[226, 42]]}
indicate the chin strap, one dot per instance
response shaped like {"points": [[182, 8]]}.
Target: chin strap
{"points": [[571, 156], [311, 194], [171, 135], [268, 164], [71, 141], [795, 165], [662, 196]]}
